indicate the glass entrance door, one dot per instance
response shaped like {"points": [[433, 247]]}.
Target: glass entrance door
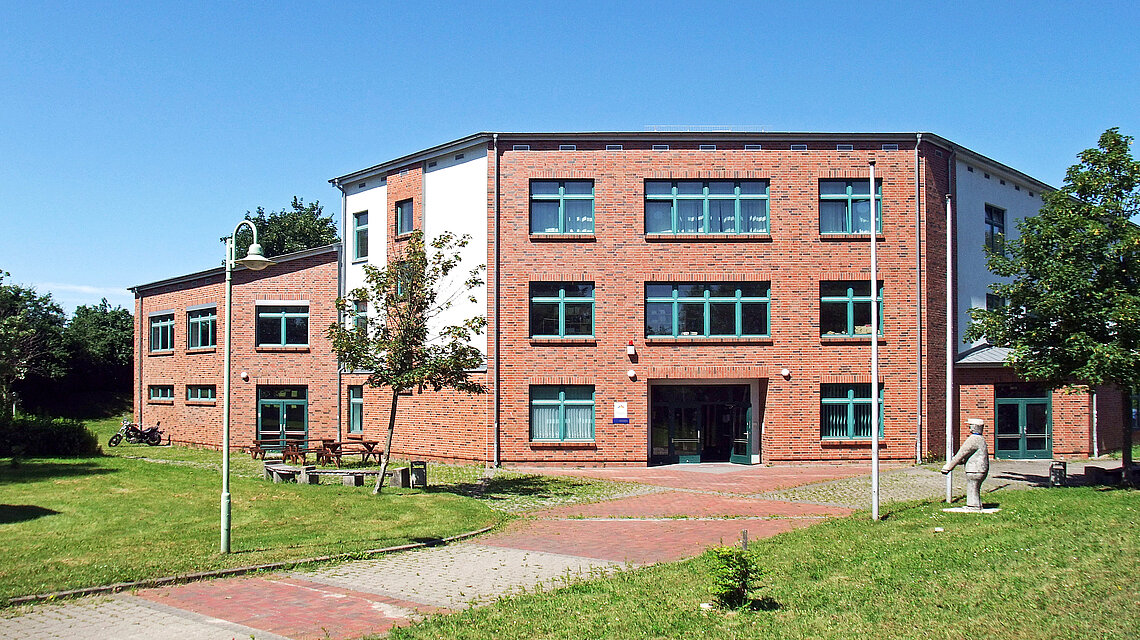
{"points": [[282, 413], [1024, 428], [705, 423]]}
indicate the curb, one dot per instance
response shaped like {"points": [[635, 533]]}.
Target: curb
{"points": [[237, 571]]}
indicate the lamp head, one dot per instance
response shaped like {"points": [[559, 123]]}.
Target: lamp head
{"points": [[254, 259]]}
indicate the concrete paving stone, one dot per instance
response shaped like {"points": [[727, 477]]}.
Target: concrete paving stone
{"points": [[676, 504], [458, 575], [721, 477], [120, 617]]}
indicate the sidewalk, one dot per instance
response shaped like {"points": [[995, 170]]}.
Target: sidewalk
{"points": [[699, 506]]}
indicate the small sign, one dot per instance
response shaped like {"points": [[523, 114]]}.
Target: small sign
{"points": [[621, 413]]}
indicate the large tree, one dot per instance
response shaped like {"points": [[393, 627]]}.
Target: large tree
{"points": [[31, 337], [100, 346], [399, 344], [1072, 312], [301, 226]]}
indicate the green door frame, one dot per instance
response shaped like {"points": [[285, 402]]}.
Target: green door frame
{"points": [[688, 448], [282, 405], [1023, 451]]}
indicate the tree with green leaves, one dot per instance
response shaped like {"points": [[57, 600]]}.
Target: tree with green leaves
{"points": [[302, 226], [100, 344], [31, 337], [1072, 312], [399, 344]]}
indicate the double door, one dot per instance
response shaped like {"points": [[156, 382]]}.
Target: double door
{"points": [[282, 413], [706, 423], [1024, 427]]}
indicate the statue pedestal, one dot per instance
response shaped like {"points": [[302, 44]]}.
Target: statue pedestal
{"points": [[971, 510]]}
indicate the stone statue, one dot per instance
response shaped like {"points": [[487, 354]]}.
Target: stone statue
{"points": [[977, 456]]}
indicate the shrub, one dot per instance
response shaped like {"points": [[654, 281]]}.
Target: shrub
{"points": [[36, 437], [735, 574]]}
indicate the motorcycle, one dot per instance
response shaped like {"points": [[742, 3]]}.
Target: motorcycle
{"points": [[135, 434]]}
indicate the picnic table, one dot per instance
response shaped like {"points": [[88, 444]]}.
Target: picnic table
{"points": [[334, 449], [326, 450]]}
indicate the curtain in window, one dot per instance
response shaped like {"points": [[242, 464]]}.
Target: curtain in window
{"points": [[834, 421], [579, 423], [544, 422]]}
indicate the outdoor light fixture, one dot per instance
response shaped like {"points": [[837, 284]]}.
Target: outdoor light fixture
{"points": [[632, 374], [256, 261], [245, 376], [786, 373]]}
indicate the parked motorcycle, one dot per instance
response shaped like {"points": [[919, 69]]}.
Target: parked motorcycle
{"points": [[135, 434]]}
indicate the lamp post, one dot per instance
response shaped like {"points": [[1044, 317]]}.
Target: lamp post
{"points": [[874, 355], [253, 260]]}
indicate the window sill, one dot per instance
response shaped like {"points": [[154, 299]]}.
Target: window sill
{"points": [[201, 403], [202, 350], [766, 340], [549, 444], [156, 354], [167, 402], [708, 237], [563, 237], [840, 237], [840, 339], [404, 235], [360, 260], [592, 342], [281, 349], [850, 442]]}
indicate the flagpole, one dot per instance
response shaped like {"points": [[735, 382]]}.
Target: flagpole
{"points": [[874, 355]]}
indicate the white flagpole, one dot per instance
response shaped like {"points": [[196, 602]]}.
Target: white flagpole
{"points": [[874, 356], [949, 347]]}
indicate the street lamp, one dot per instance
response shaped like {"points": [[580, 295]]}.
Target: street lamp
{"points": [[253, 260]]}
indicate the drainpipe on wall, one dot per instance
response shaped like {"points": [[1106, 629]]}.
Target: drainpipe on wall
{"points": [[341, 268], [949, 346], [498, 324], [918, 298], [139, 333], [1095, 439]]}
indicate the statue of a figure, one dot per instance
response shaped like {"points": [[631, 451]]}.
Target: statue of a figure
{"points": [[977, 456]]}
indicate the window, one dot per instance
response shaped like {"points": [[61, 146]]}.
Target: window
{"points": [[201, 392], [708, 206], [845, 308], [405, 220], [562, 206], [707, 309], [161, 392], [845, 206], [360, 316], [202, 328], [562, 413], [360, 234], [355, 409], [561, 309], [994, 302], [282, 326], [845, 410], [162, 332], [995, 229]]}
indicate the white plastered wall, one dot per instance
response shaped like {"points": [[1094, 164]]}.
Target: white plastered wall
{"points": [[974, 192], [373, 198]]}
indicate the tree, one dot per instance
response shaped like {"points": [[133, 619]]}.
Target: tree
{"points": [[399, 345], [100, 348], [303, 226], [31, 337], [1072, 312]]}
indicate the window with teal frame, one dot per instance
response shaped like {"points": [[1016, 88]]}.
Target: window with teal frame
{"points": [[405, 218], [845, 206], [202, 328], [708, 309], [561, 309], [356, 408], [162, 332], [562, 413], [360, 235], [845, 410], [561, 206], [360, 316], [283, 326], [995, 229], [161, 392], [706, 206], [201, 392], [845, 308]]}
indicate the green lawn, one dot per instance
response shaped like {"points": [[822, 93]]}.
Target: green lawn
{"points": [[1054, 563]]}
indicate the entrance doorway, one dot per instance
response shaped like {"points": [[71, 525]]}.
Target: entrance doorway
{"points": [[1024, 423], [282, 413], [700, 423]]}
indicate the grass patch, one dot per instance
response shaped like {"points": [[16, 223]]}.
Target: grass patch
{"points": [[1049, 565]]}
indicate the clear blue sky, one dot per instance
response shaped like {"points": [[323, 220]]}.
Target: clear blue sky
{"points": [[133, 135]]}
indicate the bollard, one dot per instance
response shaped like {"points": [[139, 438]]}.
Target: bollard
{"points": [[419, 474], [1058, 473]]}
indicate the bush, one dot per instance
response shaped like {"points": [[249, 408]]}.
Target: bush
{"points": [[39, 437], [735, 574]]}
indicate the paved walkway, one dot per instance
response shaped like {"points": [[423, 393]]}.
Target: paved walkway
{"points": [[701, 505]]}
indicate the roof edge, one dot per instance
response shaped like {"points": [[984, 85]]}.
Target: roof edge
{"points": [[285, 257]]}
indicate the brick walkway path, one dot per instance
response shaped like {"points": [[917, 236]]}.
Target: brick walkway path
{"points": [[708, 505]]}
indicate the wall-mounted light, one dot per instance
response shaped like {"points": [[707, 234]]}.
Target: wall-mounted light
{"points": [[786, 373], [632, 374], [245, 376]]}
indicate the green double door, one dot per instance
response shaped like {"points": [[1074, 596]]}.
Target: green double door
{"points": [[1024, 423], [282, 413], [700, 423]]}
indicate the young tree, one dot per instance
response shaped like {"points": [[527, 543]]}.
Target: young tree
{"points": [[302, 226], [399, 346], [31, 337], [1072, 311]]}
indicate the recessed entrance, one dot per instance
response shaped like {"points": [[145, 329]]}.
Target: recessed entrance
{"points": [[700, 423]]}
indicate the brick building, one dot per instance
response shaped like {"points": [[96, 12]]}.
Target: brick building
{"points": [[683, 297]]}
